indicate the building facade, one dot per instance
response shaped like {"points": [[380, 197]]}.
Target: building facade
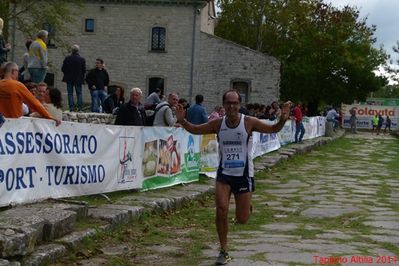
{"points": [[167, 44]]}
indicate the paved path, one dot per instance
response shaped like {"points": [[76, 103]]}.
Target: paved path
{"points": [[340, 204]]}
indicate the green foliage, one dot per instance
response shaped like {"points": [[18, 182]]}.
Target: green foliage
{"points": [[326, 53], [33, 15], [389, 91]]}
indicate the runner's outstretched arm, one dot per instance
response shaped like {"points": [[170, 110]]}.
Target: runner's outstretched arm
{"points": [[207, 128], [257, 125]]}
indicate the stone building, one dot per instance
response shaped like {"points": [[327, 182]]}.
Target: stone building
{"points": [[167, 44]]}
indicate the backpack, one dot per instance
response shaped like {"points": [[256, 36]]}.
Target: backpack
{"points": [[151, 114]]}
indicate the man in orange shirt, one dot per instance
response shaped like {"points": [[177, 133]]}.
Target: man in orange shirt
{"points": [[13, 93]]}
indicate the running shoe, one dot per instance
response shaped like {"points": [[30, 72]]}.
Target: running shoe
{"points": [[223, 258]]}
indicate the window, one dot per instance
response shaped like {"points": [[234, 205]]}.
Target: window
{"points": [[243, 88], [89, 25], [51, 34], [158, 39]]}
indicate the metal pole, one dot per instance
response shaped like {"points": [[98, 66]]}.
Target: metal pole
{"points": [[14, 26], [190, 90]]}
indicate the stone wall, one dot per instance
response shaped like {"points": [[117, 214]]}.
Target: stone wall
{"points": [[122, 37], [92, 118], [194, 62], [222, 62]]}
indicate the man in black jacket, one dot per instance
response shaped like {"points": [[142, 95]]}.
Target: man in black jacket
{"points": [[132, 113], [74, 69], [98, 81]]}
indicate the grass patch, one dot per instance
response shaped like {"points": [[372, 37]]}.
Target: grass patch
{"points": [[391, 247], [192, 229], [258, 257]]}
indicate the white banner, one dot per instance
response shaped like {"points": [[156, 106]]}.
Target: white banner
{"points": [[39, 160], [314, 127], [263, 143], [365, 114]]}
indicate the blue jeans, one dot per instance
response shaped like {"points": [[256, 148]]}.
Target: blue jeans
{"points": [[78, 89], [334, 121], [299, 129], [97, 99], [37, 75]]}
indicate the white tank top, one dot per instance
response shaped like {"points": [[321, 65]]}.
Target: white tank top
{"points": [[234, 150]]}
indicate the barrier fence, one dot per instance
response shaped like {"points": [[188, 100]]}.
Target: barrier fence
{"points": [[40, 161]]}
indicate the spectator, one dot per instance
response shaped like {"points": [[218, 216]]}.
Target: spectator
{"points": [[98, 81], [274, 112], [262, 112], [37, 62], [32, 87], [166, 114], [4, 47], [250, 109], [388, 123], [153, 99], [267, 112], [380, 123], [299, 128], [196, 114], [218, 112], [243, 110], [41, 92], [52, 103], [25, 75], [132, 113], [332, 116], [114, 101], [2, 120], [74, 69], [353, 120], [183, 102], [374, 123], [13, 93]]}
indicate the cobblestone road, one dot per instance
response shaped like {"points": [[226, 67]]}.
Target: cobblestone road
{"points": [[338, 205]]}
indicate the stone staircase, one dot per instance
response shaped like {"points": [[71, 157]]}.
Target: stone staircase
{"points": [[39, 234]]}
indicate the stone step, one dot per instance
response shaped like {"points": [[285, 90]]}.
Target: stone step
{"points": [[45, 255], [22, 228], [116, 214]]}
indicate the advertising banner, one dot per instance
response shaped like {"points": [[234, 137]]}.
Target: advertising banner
{"points": [[365, 113], [171, 156], [39, 160], [286, 134], [263, 143]]}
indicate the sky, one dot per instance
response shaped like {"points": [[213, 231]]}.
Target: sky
{"points": [[383, 14]]}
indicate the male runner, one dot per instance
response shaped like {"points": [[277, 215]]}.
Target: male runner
{"points": [[235, 173]]}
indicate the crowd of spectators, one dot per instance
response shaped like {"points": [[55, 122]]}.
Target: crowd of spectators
{"points": [[36, 99]]}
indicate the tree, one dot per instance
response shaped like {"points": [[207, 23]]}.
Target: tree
{"points": [[326, 53], [389, 91], [34, 15]]}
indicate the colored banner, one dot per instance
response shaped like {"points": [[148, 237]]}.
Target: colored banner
{"points": [[382, 101], [365, 114], [40, 161]]}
